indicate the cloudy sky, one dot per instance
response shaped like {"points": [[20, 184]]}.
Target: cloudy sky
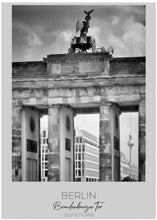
{"points": [[41, 30]]}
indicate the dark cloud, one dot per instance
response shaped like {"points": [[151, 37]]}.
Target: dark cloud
{"points": [[39, 30]]}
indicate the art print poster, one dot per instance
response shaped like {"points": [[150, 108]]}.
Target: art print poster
{"points": [[77, 111]]}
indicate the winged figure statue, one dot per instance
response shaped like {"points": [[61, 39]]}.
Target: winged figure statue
{"points": [[79, 26], [83, 26], [88, 17], [83, 42]]}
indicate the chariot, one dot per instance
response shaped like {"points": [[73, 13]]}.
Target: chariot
{"points": [[82, 44]]}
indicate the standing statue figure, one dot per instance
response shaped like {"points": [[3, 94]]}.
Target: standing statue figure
{"points": [[83, 43], [83, 26]]}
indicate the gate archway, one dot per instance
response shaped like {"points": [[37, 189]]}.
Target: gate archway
{"points": [[62, 85]]}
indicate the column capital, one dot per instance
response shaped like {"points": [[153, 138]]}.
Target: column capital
{"points": [[68, 107], [107, 103], [54, 106], [17, 107]]}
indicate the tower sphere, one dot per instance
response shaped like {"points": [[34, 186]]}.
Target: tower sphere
{"points": [[130, 141]]}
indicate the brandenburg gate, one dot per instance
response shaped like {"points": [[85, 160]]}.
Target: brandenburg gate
{"points": [[63, 85]]}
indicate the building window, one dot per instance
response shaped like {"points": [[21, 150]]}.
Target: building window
{"points": [[44, 133], [46, 157], [76, 164], [79, 172], [79, 156], [67, 144], [83, 164], [42, 165], [76, 156], [80, 148], [83, 148], [76, 148], [79, 164], [46, 166], [46, 173]]}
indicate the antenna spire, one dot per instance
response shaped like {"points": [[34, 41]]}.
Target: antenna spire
{"points": [[130, 123]]}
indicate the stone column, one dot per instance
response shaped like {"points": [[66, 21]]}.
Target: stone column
{"points": [[53, 144], [105, 155], [142, 140], [74, 159], [16, 144]]}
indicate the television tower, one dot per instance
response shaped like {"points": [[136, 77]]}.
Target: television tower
{"points": [[130, 144]]}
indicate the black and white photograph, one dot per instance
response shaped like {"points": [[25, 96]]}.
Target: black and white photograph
{"points": [[78, 110], [78, 77]]}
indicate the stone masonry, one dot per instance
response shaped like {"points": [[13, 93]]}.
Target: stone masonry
{"points": [[90, 80]]}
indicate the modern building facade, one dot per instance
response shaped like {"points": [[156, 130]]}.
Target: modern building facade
{"points": [[126, 169], [86, 156], [134, 172], [44, 154]]}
